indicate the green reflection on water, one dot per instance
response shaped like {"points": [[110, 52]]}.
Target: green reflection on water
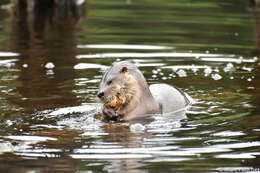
{"points": [[185, 24], [219, 119], [227, 96]]}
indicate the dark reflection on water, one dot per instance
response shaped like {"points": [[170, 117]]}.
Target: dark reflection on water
{"points": [[46, 39], [53, 54]]}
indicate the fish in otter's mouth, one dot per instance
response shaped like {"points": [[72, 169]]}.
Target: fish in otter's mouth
{"points": [[112, 105]]}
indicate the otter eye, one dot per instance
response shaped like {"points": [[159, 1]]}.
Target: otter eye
{"points": [[109, 82]]}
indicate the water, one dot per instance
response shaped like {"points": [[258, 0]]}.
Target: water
{"points": [[51, 61]]}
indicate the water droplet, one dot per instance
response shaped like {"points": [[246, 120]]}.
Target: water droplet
{"points": [[193, 68], [164, 78], [247, 68], [216, 76], [25, 65], [154, 72], [229, 67], [216, 70], [50, 72], [207, 71], [49, 65], [9, 122], [181, 73], [240, 60]]}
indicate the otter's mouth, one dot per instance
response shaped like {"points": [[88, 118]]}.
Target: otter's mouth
{"points": [[112, 106]]}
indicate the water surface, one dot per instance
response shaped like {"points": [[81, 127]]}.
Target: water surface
{"points": [[51, 62]]}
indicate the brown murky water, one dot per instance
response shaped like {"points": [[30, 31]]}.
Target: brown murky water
{"points": [[53, 55]]}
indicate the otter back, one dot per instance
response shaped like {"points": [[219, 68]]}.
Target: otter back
{"points": [[169, 98]]}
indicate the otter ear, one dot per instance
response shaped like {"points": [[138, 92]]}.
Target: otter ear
{"points": [[123, 70]]}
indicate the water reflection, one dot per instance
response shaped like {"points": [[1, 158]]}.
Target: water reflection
{"points": [[123, 147], [253, 122], [256, 82], [3, 14], [42, 165], [46, 33]]}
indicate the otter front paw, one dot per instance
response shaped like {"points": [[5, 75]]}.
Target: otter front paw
{"points": [[110, 114]]}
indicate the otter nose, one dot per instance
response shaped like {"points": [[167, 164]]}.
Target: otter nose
{"points": [[100, 95]]}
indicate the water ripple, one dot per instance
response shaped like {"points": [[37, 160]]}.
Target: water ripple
{"points": [[151, 55], [124, 46], [8, 54]]}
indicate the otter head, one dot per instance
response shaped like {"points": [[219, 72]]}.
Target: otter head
{"points": [[116, 90]]}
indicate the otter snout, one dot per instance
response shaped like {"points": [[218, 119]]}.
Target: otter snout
{"points": [[101, 95]]}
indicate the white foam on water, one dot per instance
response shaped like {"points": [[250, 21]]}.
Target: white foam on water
{"points": [[75, 109], [137, 128]]}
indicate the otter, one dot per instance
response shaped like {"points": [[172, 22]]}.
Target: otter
{"points": [[126, 95]]}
